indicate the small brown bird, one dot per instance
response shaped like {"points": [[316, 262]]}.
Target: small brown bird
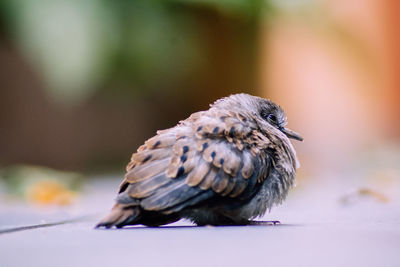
{"points": [[223, 166]]}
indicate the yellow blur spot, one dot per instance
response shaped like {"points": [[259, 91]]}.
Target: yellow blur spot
{"points": [[50, 192]]}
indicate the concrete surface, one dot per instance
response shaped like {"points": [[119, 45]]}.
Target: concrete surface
{"points": [[317, 228]]}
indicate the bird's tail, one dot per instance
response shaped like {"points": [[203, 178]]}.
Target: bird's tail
{"points": [[119, 216]]}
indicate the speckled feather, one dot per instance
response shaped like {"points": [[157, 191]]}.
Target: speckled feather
{"points": [[225, 165]]}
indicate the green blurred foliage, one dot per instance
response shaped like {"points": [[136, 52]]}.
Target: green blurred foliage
{"points": [[78, 47]]}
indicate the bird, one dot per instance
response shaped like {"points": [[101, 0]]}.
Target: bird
{"points": [[223, 166]]}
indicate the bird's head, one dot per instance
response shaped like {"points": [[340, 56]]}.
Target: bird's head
{"points": [[276, 117], [266, 112]]}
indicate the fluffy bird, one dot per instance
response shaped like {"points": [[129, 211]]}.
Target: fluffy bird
{"points": [[223, 166]]}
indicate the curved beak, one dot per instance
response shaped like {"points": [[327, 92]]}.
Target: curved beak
{"points": [[291, 134]]}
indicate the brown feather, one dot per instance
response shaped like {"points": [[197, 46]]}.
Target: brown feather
{"points": [[149, 169], [202, 144], [248, 167], [161, 141], [130, 166], [155, 154], [208, 179], [118, 215], [178, 167], [239, 144], [156, 201], [232, 164], [147, 187], [141, 148], [220, 182], [208, 153], [182, 146], [198, 173], [220, 156]]}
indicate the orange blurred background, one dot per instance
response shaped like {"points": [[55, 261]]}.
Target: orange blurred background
{"points": [[335, 69], [84, 84]]}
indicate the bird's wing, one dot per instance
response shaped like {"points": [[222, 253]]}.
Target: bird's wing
{"points": [[194, 162]]}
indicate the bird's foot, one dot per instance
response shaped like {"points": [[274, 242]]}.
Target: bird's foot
{"points": [[264, 222]]}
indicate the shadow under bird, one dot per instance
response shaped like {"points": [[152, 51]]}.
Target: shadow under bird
{"points": [[223, 166]]}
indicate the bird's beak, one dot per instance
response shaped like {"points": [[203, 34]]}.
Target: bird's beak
{"points": [[291, 134]]}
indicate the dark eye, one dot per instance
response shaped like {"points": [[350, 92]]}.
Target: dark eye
{"points": [[271, 118]]}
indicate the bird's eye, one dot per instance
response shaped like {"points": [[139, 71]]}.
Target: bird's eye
{"points": [[272, 118]]}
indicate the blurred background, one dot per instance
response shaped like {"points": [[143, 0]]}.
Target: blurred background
{"points": [[84, 83]]}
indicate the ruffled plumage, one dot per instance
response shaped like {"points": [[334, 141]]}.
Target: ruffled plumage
{"points": [[216, 161]]}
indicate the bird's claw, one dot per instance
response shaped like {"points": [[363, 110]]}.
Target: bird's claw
{"points": [[264, 222]]}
